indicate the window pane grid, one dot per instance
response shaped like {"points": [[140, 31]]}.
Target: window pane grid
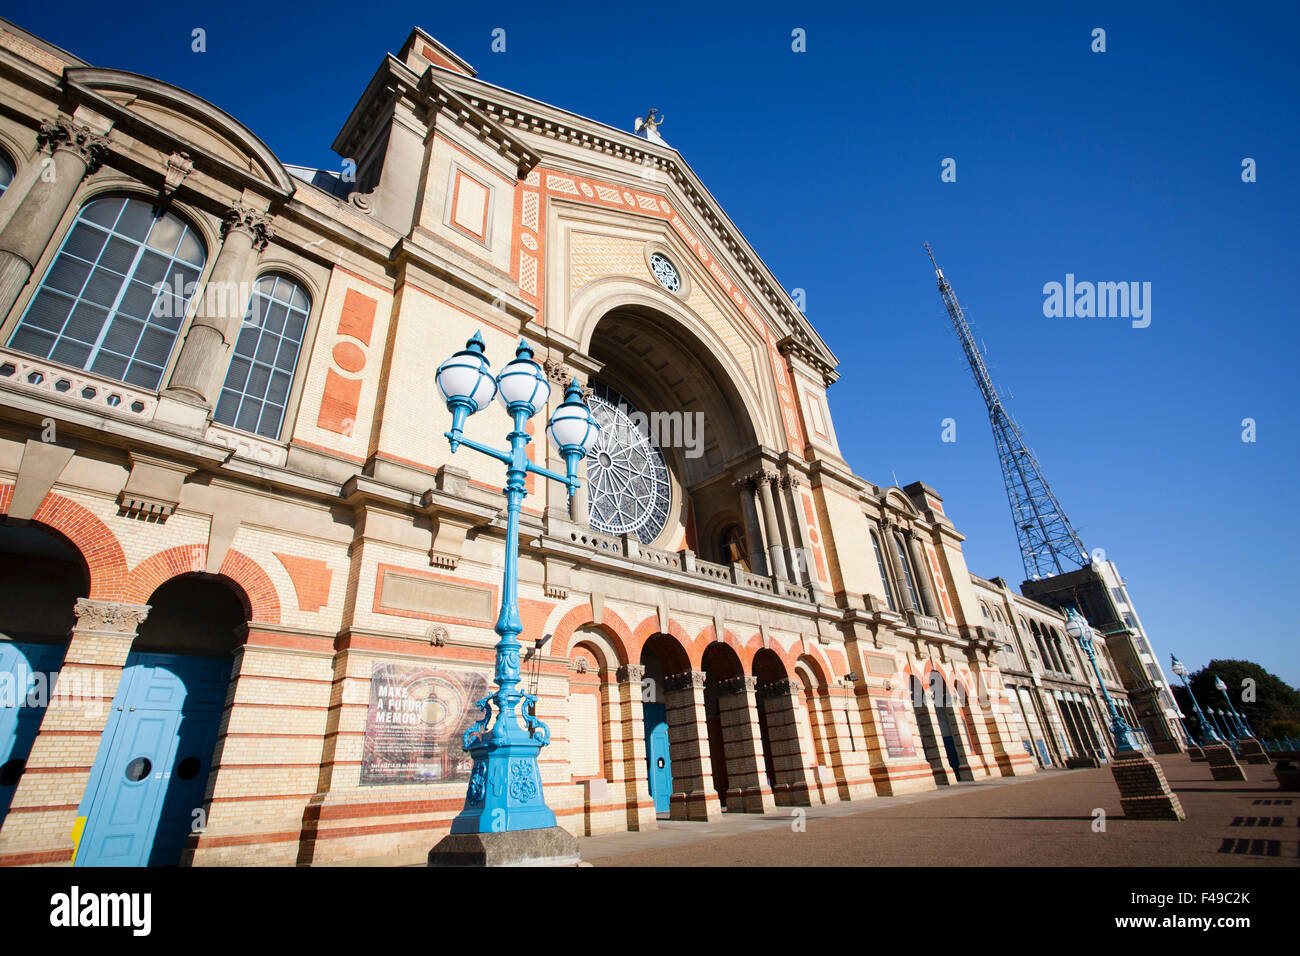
{"points": [[98, 292], [256, 390]]}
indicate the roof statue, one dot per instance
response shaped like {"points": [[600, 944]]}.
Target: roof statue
{"points": [[650, 126]]}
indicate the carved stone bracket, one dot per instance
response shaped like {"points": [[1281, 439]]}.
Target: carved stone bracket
{"points": [[109, 616], [631, 674], [179, 165], [241, 218], [63, 134]]}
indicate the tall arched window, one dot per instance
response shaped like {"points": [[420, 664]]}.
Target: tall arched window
{"points": [[884, 572], [6, 172], [113, 300], [256, 390], [908, 578]]}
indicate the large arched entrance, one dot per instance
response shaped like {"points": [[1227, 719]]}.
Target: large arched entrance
{"points": [[664, 467], [946, 715], [41, 579], [662, 657], [778, 720], [147, 786]]}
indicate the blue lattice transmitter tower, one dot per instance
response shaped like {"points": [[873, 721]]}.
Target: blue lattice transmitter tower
{"points": [[1048, 542]]}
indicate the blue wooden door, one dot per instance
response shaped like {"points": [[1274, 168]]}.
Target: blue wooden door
{"points": [[149, 777], [27, 677], [659, 763]]}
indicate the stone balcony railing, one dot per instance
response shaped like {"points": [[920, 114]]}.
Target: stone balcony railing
{"points": [[686, 563], [924, 622], [102, 395]]}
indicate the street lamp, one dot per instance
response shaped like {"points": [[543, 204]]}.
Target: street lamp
{"points": [[1180, 669], [505, 785], [1079, 629], [1243, 729]]}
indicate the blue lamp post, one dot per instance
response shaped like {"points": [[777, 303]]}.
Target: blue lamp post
{"points": [[1243, 729], [1079, 629], [505, 785], [1211, 735]]}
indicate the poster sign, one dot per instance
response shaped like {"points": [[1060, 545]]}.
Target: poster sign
{"points": [[417, 717], [894, 728]]}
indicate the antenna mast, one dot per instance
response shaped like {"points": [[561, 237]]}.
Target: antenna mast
{"points": [[1049, 545]]}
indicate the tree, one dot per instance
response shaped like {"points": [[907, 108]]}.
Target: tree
{"points": [[1274, 701]]}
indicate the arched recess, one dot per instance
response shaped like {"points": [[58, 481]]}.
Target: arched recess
{"points": [[703, 407], [96, 545], [948, 728], [251, 582], [590, 714], [821, 727], [42, 576], [160, 751], [779, 700]]}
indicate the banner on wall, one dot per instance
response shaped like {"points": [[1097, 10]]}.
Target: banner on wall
{"points": [[417, 718], [895, 728]]}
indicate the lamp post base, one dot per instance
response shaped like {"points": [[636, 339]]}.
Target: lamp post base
{"points": [[1143, 790], [1223, 763], [1252, 751], [550, 846]]}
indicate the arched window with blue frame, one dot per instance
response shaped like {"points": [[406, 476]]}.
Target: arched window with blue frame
{"points": [[113, 300], [256, 389]]}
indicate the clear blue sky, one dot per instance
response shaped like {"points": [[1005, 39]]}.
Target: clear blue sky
{"points": [[1123, 165]]}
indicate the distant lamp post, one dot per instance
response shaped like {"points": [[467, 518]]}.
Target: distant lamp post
{"points": [[1211, 735], [1079, 629], [1243, 729], [505, 786]]}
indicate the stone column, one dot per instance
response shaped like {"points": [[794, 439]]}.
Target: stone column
{"points": [[775, 550], [693, 796], [753, 527], [628, 739], [793, 785], [201, 366], [76, 150], [44, 812], [921, 571], [802, 556], [747, 787]]}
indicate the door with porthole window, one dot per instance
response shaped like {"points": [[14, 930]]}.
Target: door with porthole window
{"points": [[146, 788]]}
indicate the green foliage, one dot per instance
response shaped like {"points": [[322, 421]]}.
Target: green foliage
{"points": [[1274, 699]]}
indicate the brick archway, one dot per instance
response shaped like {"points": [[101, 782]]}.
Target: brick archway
{"points": [[253, 585], [93, 540]]}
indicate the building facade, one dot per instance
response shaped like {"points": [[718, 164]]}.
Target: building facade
{"points": [[248, 593]]}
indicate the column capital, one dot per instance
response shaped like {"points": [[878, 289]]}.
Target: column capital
{"points": [[686, 680], [780, 688], [246, 219], [631, 673], [72, 137], [790, 481], [109, 616]]}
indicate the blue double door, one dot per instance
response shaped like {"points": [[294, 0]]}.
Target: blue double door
{"points": [[145, 794], [659, 763], [28, 674]]}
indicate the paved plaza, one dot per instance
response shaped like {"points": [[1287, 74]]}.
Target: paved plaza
{"points": [[1046, 819]]}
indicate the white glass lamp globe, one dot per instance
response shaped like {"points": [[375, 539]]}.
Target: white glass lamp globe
{"points": [[573, 427], [522, 382], [1075, 627], [466, 378]]}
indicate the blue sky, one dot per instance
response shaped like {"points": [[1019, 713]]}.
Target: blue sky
{"points": [[1115, 166]]}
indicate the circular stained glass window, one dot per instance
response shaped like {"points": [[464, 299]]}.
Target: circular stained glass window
{"points": [[665, 272], [627, 477]]}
